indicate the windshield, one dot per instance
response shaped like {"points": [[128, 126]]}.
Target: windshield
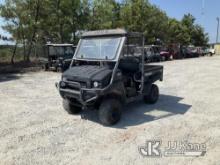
{"points": [[98, 48]]}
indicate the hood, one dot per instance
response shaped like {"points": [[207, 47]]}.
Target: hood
{"points": [[87, 73]]}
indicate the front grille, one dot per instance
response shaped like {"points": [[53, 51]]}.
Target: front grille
{"points": [[72, 86], [75, 85], [82, 84]]}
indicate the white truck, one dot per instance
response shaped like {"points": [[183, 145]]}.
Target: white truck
{"points": [[211, 51]]}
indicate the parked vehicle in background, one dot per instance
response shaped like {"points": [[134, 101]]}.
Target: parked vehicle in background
{"points": [[200, 51], [59, 56], [189, 52], [152, 53], [165, 54], [211, 51], [105, 74], [204, 51], [175, 51]]}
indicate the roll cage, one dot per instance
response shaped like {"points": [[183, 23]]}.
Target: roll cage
{"points": [[128, 38]]}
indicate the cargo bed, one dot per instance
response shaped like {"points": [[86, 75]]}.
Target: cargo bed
{"points": [[153, 73]]}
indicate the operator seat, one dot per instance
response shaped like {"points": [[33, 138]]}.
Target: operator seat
{"points": [[129, 64]]}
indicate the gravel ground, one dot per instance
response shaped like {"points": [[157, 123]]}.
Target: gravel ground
{"points": [[34, 128]]}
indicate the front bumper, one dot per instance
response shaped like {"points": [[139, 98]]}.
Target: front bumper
{"points": [[73, 90]]}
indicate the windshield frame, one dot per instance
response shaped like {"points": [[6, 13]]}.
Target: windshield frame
{"points": [[117, 54]]}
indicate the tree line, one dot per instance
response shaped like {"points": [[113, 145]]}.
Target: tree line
{"points": [[32, 22]]}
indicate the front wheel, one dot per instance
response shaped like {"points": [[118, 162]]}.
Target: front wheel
{"points": [[153, 96], [110, 112], [70, 108]]}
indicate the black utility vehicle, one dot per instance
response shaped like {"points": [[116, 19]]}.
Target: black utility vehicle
{"points": [[108, 71], [59, 56]]}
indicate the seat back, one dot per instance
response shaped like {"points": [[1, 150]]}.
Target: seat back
{"points": [[129, 64]]}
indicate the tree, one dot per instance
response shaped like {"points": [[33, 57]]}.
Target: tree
{"points": [[22, 18], [104, 14], [34, 7], [33, 22], [177, 33], [15, 16], [141, 16], [199, 37]]}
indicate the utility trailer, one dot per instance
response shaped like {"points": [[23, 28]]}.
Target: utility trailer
{"points": [[106, 72]]}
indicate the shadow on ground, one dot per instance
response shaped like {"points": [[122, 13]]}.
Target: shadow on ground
{"points": [[8, 77], [138, 112], [20, 67]]}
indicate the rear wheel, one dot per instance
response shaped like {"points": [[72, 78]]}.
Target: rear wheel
{"points": [[70, 108], [110, 112], [153, 96]]}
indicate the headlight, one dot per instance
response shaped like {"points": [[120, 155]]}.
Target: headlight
{"points": [[96, 84], [64, 79], [62, 84]]}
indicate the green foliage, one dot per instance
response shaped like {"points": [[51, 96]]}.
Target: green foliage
{"points": [[199, 37], [102, 14], [34, 22], [6, 51]]}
